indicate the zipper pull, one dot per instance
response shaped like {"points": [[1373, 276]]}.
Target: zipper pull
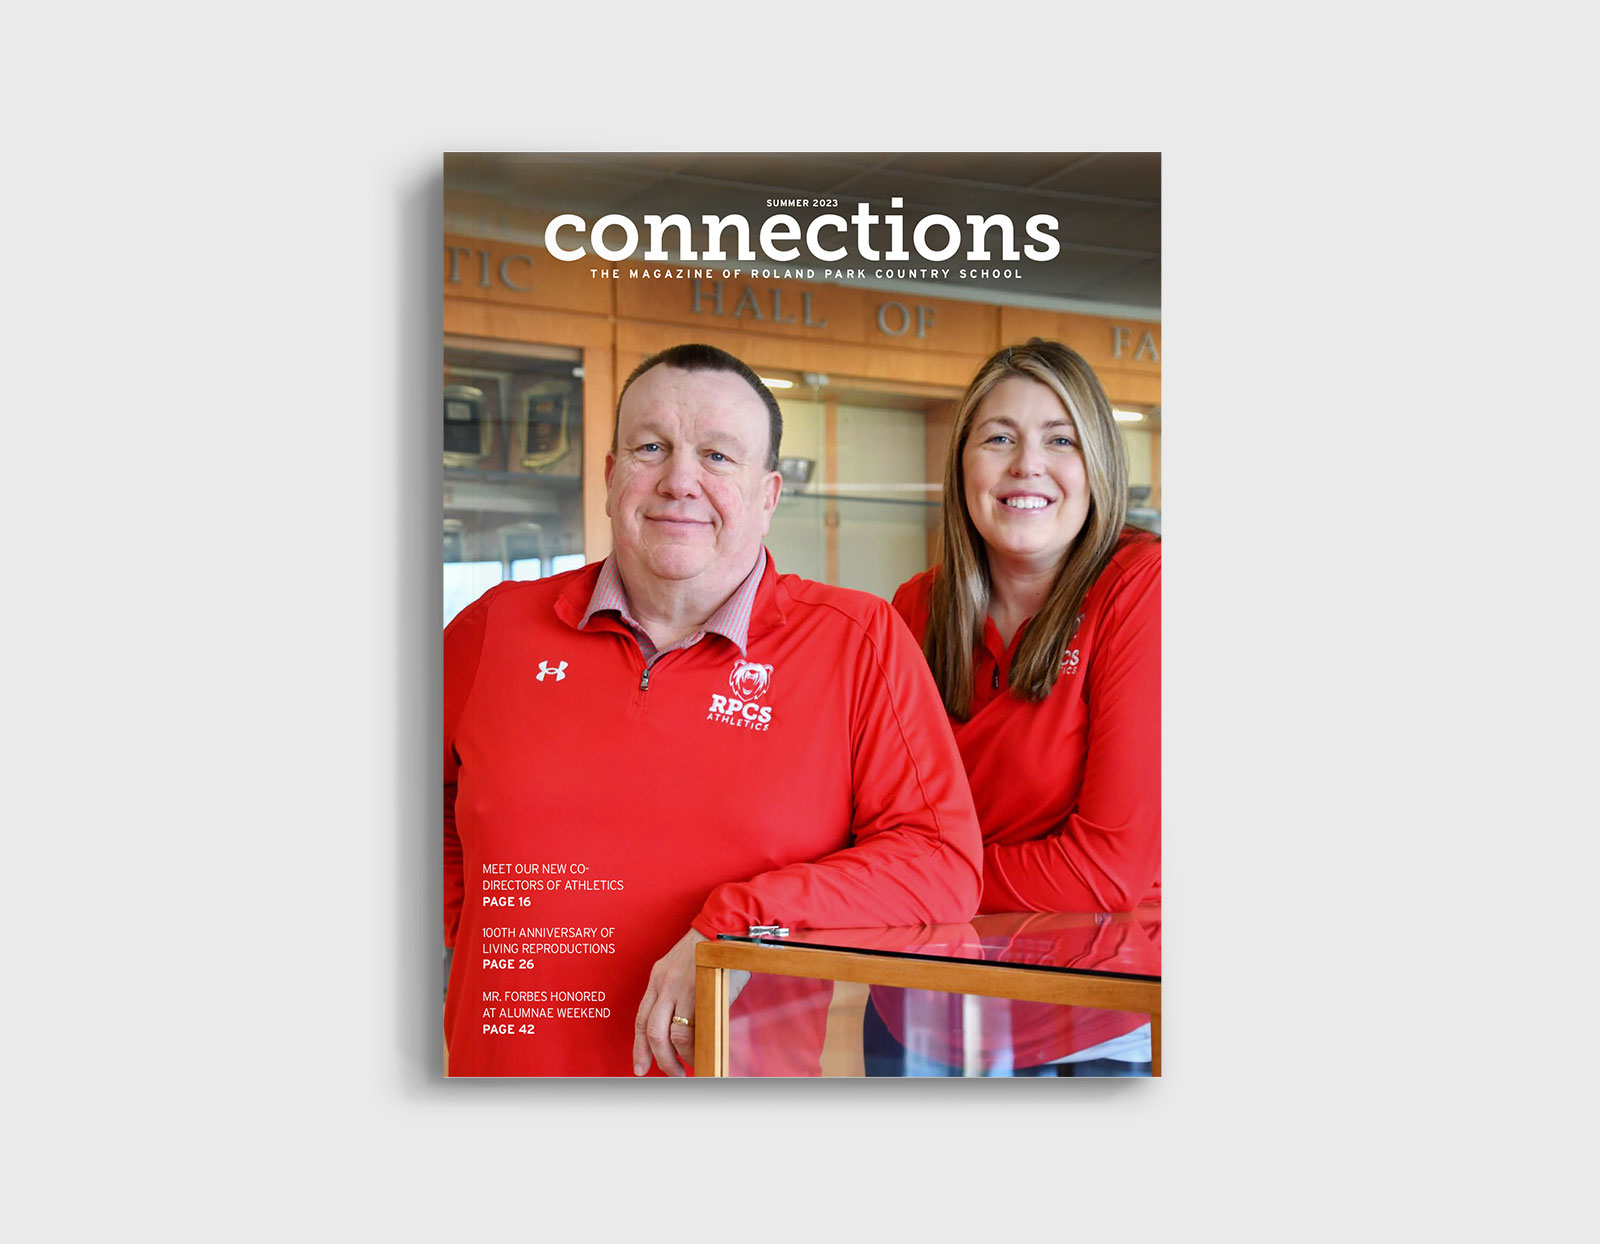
{"points": [[644, 679], [996, 683]]}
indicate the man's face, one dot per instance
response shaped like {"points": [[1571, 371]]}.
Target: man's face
{"points": [[687, 490]]}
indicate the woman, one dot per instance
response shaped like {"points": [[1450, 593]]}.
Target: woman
{"points": [[1042, 627]]}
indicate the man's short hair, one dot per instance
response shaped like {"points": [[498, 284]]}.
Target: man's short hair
{"points": [[698, 357]]}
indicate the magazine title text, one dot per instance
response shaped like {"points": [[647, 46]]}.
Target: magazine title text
{"points": [[935, 237]]}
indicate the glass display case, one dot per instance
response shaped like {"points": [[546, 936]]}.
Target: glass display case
{"points": [[862, 461], [513, 465], [1044, 994], [860, 505], [863, 467]]}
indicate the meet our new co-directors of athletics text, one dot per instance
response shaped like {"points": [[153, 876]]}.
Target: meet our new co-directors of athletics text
{"points": [[1008, 763]]}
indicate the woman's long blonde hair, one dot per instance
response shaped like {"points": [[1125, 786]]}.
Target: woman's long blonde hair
{"points": [[962, 586]]}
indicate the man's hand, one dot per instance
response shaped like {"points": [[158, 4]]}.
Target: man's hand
{"points": [[670, 992]]}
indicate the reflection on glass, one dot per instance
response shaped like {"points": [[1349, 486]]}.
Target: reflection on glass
{"points": [[920, 1032], [1141, 440], [789, 1026], [513, 464], [464, 582], [469, 421], [857, 509], [844, 1029], [863, 466]]}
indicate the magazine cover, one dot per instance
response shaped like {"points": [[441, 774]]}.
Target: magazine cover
{"points": [[801, 602]]}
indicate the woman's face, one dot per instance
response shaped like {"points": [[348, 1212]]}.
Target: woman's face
{"points": [[1027, 488]]}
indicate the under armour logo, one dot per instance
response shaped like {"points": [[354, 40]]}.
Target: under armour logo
{"points": [[560, 671]]}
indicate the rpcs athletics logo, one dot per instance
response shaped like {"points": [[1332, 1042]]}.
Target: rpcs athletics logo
{"points": [[1069, 659], [749, 682]]}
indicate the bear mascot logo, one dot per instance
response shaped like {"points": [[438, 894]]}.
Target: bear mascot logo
{"points": [[749, 681]]}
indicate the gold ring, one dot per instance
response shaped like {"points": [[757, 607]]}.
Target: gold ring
{"points": [[687, 1023]]}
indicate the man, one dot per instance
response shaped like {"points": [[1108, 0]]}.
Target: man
{"points": [[675, 743]]}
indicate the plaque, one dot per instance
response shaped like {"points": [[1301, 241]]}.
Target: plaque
{"points": [[549, 430], [471, 411]]}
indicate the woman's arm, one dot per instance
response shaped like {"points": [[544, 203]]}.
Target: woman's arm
{"points": [[1107, 855]]}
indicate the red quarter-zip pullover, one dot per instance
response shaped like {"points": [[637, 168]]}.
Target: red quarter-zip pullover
{"points": [[593, 814], [1068, 789]]}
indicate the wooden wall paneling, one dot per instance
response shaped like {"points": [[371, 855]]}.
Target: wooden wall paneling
{"points": [[508, 290], [806, 311], [467, 317], [623, 360], [743, 305], [951, 325], [1098, 338], [1128, 388], [837, 359], [599, 406], [485, 270]]}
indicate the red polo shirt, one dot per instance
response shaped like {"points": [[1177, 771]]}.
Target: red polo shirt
{"points": [[593, 813], [1068, 790]]}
